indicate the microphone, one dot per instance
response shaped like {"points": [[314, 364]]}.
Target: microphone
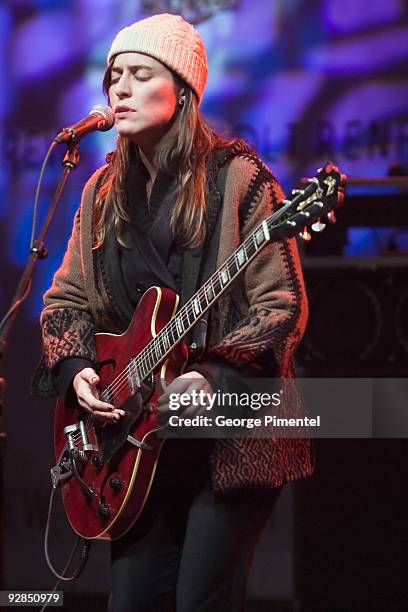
{"points": [[100, 118]]}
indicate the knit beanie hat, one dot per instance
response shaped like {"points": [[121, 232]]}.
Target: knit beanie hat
{"points": [[171, 40]]}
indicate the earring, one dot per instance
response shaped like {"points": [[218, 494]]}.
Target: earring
{"points": [[182, 100]]}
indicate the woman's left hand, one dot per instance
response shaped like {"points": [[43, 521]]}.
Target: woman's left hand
{"points": [[188, 394]]}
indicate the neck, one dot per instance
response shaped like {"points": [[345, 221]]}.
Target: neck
{"points": [[148, 162]]}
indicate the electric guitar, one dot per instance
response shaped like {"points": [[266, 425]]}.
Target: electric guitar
{"points": [[106, 471]]}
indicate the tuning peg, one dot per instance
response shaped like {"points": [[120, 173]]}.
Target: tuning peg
{"points": [[318, 226], [331, 217], [305, 235], [298, 191]]}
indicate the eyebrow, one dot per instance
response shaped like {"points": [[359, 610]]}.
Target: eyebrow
{"points": [[135, 67]]}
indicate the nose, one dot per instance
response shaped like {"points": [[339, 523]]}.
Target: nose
{"points": [[122, 87]]}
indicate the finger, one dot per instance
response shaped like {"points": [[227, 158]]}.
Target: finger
{"points": [[105, 416], [112, 417], [94, 404], [90, 376]]}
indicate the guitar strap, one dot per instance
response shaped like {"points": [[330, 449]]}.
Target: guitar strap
{"points": [[199, 264]]}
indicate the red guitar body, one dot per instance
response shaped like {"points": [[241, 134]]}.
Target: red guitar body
{"points": [[114, 482]]}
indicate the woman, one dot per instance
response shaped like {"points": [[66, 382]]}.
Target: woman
{"points": [[173, 201]]}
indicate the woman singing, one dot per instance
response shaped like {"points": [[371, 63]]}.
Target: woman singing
{"points": [[173, 201]]}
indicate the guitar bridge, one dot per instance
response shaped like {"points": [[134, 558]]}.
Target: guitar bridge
{"points": [[81, 438]]}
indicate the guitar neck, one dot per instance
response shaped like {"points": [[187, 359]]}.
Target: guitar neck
{"points": [[154, 353]]}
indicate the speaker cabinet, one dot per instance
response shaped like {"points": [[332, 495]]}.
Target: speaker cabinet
{"points": [[358, 313]]}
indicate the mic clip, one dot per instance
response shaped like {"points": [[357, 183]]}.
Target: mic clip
{"points": [[38, 248]]}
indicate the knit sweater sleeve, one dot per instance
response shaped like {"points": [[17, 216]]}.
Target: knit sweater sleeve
{"points": [[66, 321], [273, 284], [67, 324]]}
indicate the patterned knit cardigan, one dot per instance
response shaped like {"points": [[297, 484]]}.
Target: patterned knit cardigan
{"points": [[265, 309]]}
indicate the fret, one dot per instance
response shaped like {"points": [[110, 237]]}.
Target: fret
{"points": [[241, 256], [209, 292], [260, 238], [188, 315], [179, 327], [265, 230], [203, 300], [217, 285], [160, 344], [172, 330], [150, 361], [205, 296], [197, 307], [184, 320], [224, 277], [233, 267], [166, 341], [154, 350]]}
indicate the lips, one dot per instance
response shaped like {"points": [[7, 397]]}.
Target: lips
{"points": [[123, 109]]}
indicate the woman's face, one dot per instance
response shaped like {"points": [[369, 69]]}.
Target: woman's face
{"points": [[143, 96]]}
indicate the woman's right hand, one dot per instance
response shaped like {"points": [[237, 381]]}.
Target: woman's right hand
{"points": [[85, 385]]}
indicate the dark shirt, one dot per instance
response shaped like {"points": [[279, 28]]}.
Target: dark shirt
{"points": [[153, 257]]}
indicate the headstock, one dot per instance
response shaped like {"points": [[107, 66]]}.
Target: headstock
{"points": [[312, 205]]}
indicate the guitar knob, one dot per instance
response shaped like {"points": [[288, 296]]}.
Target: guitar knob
{"points": [[104, 511], [115, 483], [318, 226], [331, 217], [98, 462], [305, 235]]}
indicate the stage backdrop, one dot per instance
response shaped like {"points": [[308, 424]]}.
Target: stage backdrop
{"points": [[302, 80]]}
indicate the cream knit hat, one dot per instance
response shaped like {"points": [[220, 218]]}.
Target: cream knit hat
{"points": [[171, 40]]}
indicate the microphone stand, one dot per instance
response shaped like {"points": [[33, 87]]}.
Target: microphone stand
{"points": [[37, 251]]}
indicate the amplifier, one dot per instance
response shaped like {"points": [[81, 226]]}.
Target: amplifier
{"points": [[358, 312]]}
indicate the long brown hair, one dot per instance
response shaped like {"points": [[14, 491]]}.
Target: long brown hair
{"points": [[185, 155]]}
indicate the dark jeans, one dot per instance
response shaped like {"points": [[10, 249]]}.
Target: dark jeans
{"points": [[190, 550]]}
